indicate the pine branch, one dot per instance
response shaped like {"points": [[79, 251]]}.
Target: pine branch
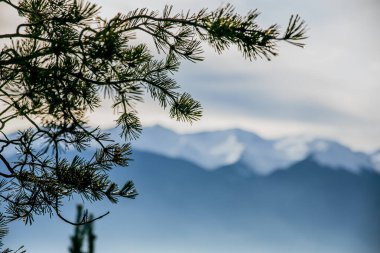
{"points": [[55, 67]]}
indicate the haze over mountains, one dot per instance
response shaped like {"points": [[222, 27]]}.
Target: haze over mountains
{"points": [[231, 191]]}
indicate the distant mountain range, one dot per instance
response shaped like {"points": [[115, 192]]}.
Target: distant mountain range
{"points": [[231, 191], [214, 149]]}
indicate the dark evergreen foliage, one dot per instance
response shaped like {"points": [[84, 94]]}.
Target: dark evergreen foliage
{"points": [[60, 62]]}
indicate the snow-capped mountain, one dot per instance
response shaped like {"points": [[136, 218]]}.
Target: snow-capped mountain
{"points": [[214, 149], [305, 206]]}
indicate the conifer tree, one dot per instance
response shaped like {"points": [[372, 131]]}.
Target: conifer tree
{"points": [[59, 64], [81, 234]]}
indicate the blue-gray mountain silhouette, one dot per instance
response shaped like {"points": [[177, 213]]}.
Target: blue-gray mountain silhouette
{"points": [[184, 208]]}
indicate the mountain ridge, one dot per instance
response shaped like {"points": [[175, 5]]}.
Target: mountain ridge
{"points": [[305, 208], [214, 149]]}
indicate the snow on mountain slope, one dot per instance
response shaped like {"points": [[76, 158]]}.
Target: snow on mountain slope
{"points": [[214, 149], [325, 152], [375, 159], [205, 149]]}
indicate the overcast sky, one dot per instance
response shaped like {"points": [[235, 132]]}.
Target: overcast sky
{"points": [[329, 89]]}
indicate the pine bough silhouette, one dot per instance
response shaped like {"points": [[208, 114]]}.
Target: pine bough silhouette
{"points": [[64, 59]]}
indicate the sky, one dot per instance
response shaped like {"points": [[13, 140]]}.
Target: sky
{"points": [[328, 89]]}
